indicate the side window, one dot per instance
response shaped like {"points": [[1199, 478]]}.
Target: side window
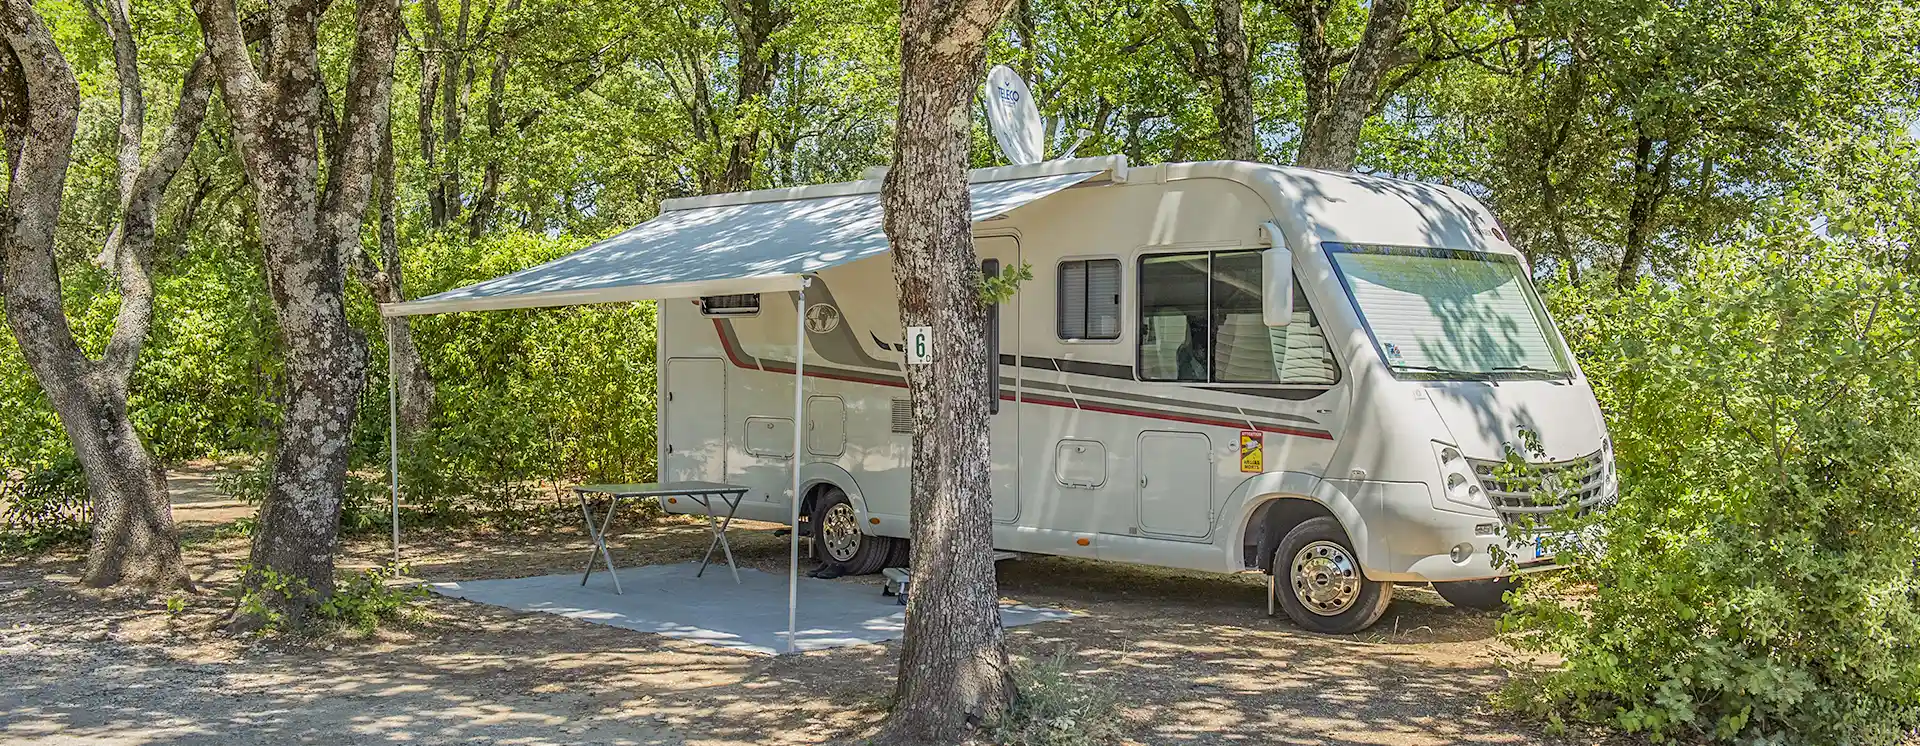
{"points": [[1088, 294], [1200, 321], [1173, 317]]}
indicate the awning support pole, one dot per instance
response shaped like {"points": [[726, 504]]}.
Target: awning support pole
{"points": [[799, 417], [393, 440]]}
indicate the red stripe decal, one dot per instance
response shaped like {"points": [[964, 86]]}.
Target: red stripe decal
{"points": [[734, 356]]}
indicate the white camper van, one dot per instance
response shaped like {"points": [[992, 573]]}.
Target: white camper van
{"points": [[1221, 366]]}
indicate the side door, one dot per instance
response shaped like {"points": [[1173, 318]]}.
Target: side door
{"points": [[998, 253], [695, 409]]}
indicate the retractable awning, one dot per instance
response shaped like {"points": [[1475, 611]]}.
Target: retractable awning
{"points": [[734, 243]]}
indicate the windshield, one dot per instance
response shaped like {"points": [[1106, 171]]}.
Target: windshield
{"points": [[1450, 314]]}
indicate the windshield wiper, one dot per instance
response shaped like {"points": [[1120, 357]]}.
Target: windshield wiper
{"points": [[1533, 369], [1434, 369]]}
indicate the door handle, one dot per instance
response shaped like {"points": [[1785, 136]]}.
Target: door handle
{"points": [[1143, 481], [669, 448]]}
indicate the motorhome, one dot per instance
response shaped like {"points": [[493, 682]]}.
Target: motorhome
{"points": [[1219, 366]]}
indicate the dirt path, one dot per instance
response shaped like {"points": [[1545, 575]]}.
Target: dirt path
{"points": [[1192, 656]]}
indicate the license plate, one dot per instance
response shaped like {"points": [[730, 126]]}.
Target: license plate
{"points": [[1548, 545]]}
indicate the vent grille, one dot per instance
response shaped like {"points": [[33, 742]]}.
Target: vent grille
{"points": [[902, 417], [746, 304], [1545, 488]]}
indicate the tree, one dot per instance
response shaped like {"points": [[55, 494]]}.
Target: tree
{"points": [[954, 670], [1221, 61], [133, 541], [1347, 84], [307, 230]]}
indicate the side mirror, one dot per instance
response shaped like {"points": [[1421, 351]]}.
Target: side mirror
{"points": [[1276, 280]]}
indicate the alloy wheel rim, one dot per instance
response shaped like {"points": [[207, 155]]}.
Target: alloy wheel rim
{"points": [[1326, 580], [841, 533]]}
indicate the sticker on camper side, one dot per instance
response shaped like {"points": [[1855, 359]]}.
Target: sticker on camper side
{"points": [[919, 345], [1393, 352], [1252, 447]]}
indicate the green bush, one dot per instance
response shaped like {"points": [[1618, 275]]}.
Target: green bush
{"points": [[361, 602], [1760, 579], [1056, 708], [44, 508]]}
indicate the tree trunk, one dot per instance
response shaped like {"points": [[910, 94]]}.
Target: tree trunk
{"points": [[954, 672], [1650, 183], [1337, 111], [306, 230], [414, 385], [133, 541], [1233, 110], [754, 24]]}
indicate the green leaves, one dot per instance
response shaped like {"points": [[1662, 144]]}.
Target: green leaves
{"points": [[1762, 582]]}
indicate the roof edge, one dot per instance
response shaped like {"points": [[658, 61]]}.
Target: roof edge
{"points": [[875, 177]]}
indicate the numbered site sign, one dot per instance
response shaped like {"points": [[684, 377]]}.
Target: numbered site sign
{"points": [[919, 345]]}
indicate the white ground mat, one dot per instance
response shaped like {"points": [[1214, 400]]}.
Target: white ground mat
{"points": [[749, 615]]}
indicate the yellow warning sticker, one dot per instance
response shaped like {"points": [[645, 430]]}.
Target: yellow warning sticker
{"points": [[1252, 445]]}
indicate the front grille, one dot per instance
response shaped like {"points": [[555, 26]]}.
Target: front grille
{"points": [[1544, 488]]}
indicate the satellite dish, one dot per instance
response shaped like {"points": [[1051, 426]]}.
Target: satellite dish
{"points": [[1013, 116]]}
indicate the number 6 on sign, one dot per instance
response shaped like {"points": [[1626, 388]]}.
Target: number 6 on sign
{"points": [[919, 345]]}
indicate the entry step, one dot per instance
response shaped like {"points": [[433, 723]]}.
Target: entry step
{"points": [[900, 578]]}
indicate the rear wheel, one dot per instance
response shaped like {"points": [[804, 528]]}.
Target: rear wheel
{"points": [[1483, 595], [840, 541], [1317, 579]]}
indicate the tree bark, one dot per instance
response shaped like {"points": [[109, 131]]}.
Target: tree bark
{"points": [[488, 201], [1652, 176], [306, 230], [1220, 60], [414, 385], [1233, 110], [754, 24], [133, 541], [1337, 111], [954, 672]]}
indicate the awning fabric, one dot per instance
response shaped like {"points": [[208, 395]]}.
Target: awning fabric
{"points": [[758, 246]]}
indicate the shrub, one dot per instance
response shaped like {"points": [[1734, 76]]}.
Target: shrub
{"points": [[44, 508], [1056, 708], [1760, 579], [362, 602]]}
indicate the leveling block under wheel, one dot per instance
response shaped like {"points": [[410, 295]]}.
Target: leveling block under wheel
{"points": [[899, 578]]}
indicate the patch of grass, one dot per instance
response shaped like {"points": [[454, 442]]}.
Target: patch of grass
{"points": [[1057, 708]]}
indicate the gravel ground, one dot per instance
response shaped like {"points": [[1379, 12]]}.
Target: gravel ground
{"points": [[1192, 657]]}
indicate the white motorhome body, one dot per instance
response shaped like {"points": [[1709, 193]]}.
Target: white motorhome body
{"points": [[1148, 412]]}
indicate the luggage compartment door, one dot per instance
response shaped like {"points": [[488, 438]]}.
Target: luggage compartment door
{"points": [[695, 412], [1176, 484]]}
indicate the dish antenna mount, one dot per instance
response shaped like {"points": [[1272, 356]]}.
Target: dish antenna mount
{"points": [[1012, 115]]}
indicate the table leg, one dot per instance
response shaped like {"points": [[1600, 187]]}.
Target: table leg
{"points": [[599, 536], [593, 535], [719, 531]]}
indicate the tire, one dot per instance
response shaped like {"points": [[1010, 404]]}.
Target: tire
{"points": [[902, 555], [1480, 595], [1318, 580], [839, 540]]}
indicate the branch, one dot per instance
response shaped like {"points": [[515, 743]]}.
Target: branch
{"points": [[239, 80], [363, 121], [133, 251], [1202, 62], [133, 106]]}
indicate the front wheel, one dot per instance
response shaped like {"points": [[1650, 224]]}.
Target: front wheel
{"points": [[1317, 579], [840, 541]]}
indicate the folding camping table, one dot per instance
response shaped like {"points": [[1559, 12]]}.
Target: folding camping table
{"points": [[703, 493]]}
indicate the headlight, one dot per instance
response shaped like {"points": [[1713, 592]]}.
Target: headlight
{"points": [[1461, 486]]}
